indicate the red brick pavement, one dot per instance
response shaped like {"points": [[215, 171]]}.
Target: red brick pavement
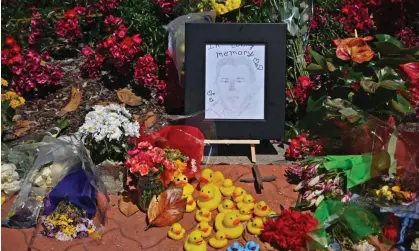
{"points": [[127, 234]]}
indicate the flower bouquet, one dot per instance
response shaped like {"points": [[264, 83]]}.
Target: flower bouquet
{"points": [[106, 132], [154, 168], [288, 231], [68, 222], [316, 183]]}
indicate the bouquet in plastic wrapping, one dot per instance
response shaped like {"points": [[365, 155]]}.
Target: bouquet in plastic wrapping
{"points": [[60, 190]]}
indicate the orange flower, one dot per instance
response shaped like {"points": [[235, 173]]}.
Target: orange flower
{"points": [[355, 49]]}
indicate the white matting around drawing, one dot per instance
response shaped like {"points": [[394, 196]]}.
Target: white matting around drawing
{"points": [[235, 81]]}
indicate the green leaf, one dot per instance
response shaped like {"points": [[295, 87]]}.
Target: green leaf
{"points": [[387, 73], [313, 67], [387, 48], [314, 105], [402, 105], [394, 62], [63, 124], [116, 149], [320, 60], [393, 85], [369, 86], [390, 39]]}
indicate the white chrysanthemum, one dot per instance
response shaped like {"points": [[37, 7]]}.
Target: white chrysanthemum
{"points": [[112, 122], [11, 187], [63, 237], [10, 182]]}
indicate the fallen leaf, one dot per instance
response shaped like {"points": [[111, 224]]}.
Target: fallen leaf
{"points": [[74, 103], [166, 209], [126, 206], [21, 127], [126, 96]]}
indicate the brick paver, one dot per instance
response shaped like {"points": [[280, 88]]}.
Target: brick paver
{"points": [[127, 234]]}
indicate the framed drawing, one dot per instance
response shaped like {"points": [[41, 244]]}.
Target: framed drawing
{"points": [[236, 74]]}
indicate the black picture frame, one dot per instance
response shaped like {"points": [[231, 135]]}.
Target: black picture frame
{"points": [[273, 36]]}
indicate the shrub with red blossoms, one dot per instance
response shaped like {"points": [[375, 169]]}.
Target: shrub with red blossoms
{"points": [[408, 37], [32, 73], [356, 15], [68, 27], [107, 5], [145, 71], [301, 147], [35, 28], [166, 6], [93, 63], [116, 25], [289, 230]]}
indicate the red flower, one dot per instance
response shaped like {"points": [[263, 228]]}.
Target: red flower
{"points": [[10, 41], [68, 27], [391, 233], [166, 6], [145, 70], [412, 71], [301, 147], [70, 14], [289, 230]]}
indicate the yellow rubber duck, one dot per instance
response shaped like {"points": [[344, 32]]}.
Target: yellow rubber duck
{"points": [[248, 202], [238, 194], [262, 209], [230, 224], [176, 232], [227, 188], [245, 214], [219, 241], [255, 226], [226, 206], [195, 242], [203, 214], [210, 177], [205, 228], [190, 204], [182, 181], [209, 197]]}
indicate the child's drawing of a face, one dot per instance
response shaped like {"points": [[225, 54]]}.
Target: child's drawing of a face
{"points": [[234, 85]]}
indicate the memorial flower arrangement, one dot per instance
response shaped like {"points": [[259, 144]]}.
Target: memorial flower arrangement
{"points": [[316, 184], [66, 223], [10, 101], [10, 180], [289, 230], [146, 160], [107, 130]]}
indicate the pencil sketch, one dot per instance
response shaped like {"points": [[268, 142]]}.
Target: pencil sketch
{"points": [[234, 82]]}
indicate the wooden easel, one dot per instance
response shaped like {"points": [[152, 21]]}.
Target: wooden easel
{"points": [[252, 144]]}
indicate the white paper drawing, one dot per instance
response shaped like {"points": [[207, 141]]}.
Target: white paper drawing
{"points": [[235, 81]]}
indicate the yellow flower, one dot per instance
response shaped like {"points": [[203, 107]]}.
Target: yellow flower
{"points": [[21, 100], [395, 189], [384, 189], [378, 192], [4, 82], [90, 230], [180, 164], [3, 198], [14, 103]]}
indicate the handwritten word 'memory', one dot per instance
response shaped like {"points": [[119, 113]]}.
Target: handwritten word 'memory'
{"points": [[235, 53]]}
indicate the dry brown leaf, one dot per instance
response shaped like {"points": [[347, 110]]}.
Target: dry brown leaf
{"points": [[166, 209], [126, 96], [74, 103], [126, 206], [21, 127]]}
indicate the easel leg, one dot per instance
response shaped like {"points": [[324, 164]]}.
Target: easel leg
{"points": [[253, 153]]}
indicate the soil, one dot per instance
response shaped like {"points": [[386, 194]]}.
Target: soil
{"points": [[44, 113]]}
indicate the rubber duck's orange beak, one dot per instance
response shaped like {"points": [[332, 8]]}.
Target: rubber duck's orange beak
{"points": [[182, 183], [203, 180], [264, 208], [190, 202], [178, 232], [198, 242], [233, 206], [227, 236], [205, 230], [236, 195], [236, 222], [207, 214], [205, 196]]}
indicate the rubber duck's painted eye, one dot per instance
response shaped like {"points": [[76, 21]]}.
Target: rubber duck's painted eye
{"points": [[194, 238], [241, 192], [178, 179], [221, 237], [184, 178], [209, 191], [202, 190], [231, 218], [226, 206], [210, 175]]}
